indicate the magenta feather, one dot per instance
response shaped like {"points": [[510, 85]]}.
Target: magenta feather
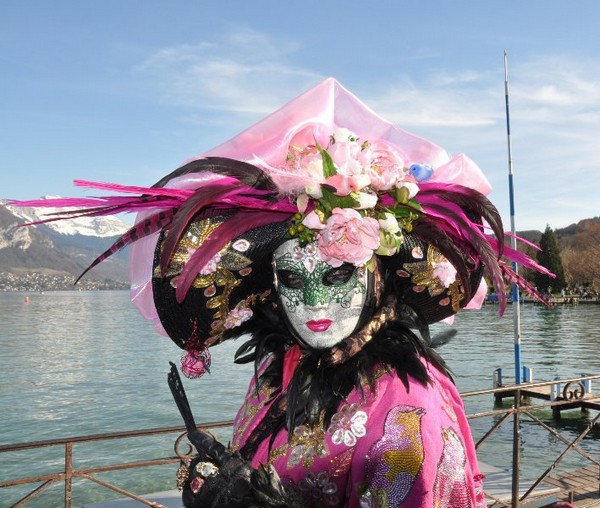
{"points": [[514, 278], [524, 260], [466, 198], [133, 189]]}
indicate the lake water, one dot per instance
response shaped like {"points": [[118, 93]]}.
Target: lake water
{"points": [[81, 363]]}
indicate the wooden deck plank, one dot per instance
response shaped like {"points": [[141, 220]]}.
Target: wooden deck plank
{"points": [[583, 484]]}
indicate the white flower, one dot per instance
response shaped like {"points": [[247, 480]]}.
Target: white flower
{"points": [[412, 187], [388, 244], [389, 224], [341, 134], [314, 190], [348, 425], [366, 200], [302, 202]]}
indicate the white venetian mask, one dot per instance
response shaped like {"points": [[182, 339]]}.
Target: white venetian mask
{"points": [[323, 304]]}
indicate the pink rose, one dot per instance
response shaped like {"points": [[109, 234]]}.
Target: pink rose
{"points": [[345, 156], [344, 185], [386, 166], [348, 237], [196, 362]]}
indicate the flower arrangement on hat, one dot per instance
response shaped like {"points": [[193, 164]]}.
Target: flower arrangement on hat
{"points": [[362, 198]]}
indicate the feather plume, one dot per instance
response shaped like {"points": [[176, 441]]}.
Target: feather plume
{"points": [[466, 198], [134, 189], [514, 278], [195, 204]]}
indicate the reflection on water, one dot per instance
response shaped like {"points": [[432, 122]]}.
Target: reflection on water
{"points": [[78, 363]]}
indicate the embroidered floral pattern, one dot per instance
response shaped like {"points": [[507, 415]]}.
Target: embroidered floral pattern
{"points": [[348, 425], [251, 407], [436, 276], [219, 276], [306, 444]]}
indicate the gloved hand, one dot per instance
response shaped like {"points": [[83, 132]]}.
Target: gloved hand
{"points": [[218, 478]]}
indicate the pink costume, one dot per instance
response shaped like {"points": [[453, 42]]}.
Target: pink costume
{"points": [[392, 447]]}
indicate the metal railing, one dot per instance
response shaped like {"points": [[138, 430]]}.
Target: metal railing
{"points": [[68, 473], [573, 394], [568, 394]]}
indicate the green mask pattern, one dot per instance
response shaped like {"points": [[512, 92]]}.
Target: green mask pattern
{"points": [[321, 286]]}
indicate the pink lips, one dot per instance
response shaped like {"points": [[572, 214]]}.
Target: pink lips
{"points": [[319, 326]]}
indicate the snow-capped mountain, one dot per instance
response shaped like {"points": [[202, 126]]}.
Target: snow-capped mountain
{"points": [[87, 226], [62, 248]]}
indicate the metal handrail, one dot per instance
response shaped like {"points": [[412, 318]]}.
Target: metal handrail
{"points": [[69, 472]]}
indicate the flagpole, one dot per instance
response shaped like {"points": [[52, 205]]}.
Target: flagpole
{"points": [[516, 301]]}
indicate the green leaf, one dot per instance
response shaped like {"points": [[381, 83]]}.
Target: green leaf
{"points": [[329, 201], [328, 165], [413, 203]]}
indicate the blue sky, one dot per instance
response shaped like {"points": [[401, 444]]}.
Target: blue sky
{"points": [[127, 90]]}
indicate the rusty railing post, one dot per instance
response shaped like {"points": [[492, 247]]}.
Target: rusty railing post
{"points": [[68, 474], [516, 460]]}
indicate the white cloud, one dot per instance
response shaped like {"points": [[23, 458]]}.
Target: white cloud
{"points": [[243, 72]]}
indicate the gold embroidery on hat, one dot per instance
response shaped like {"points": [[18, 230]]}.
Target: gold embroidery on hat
{"points": [[423, 277], [219, 271]]}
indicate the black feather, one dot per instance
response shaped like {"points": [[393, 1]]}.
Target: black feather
{"points": [[468, 199], [242, 171], [238, 485]]}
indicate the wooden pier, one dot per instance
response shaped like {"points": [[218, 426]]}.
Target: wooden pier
{"points": [[567, 394]]}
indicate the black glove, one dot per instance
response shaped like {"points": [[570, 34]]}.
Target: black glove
{"points": [[218, 478]]}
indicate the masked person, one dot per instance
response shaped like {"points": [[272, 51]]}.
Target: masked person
{"points": [[330, 239]]}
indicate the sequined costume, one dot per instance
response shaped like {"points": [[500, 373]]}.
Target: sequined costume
{"points": [[392, 447]]}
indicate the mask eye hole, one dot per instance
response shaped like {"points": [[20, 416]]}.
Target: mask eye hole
{"points": [[290, 279], [339, 276]]}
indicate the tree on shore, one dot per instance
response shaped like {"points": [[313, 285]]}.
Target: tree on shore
{"points": [[549, 257]]}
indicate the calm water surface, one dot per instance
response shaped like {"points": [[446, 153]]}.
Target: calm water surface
{"points": [[80, 363]]}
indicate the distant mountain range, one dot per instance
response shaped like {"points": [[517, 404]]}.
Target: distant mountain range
{"points": [[59, 251]]}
